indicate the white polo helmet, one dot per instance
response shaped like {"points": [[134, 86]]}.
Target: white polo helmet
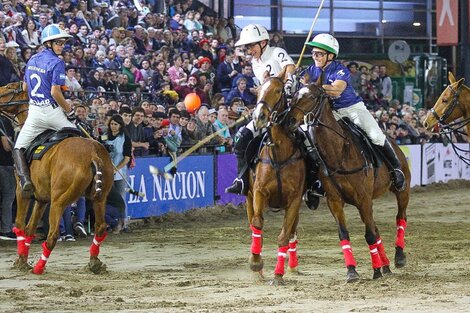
{"points": [[325, 42], [251, 34], [52, 32]]}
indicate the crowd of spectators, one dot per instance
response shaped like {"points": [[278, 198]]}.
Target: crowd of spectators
{"points": [[141, 62]]}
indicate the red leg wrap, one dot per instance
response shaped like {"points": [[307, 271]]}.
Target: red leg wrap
{"points": [[293, 261], [95, 246], [401, 228], [374, 254], [39, 268], [347, 253], [23, 242], [256, 240], [382, 254], [281, 260]]}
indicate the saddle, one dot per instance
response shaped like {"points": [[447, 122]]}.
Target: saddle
{"points": [[46, 140], [362, 141]]}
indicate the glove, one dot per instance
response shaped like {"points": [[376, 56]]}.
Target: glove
{"points": [[173, 171], [288, 87], [71, 115]]}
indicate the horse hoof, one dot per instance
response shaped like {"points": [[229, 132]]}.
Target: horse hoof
{"points": [[352, 276], [38, 270], [96, 266], [256, 263], [22, 265], [400, 257], [386, 270], [293, 270], [377, 273], [277, 281]]}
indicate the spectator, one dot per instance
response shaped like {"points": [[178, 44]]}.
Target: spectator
{"points": [[30, 33], [136, 132], [193, 86], [205, 128], [277, 41], [174, 130], [8, 181], [119, 146], [188, 133], [222, 122], [251, 81], [386, 84], [73, 86], [241, 92], [176, 73], [355, 76], [226, 72]]}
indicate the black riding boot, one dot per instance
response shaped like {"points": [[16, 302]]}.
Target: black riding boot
{"points": [[313, 188], [22, 170], [240, 184], [397, 174]]}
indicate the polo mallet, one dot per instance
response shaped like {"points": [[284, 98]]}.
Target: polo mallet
{"points": [[155, 171], [309, 34], [129, 188]]}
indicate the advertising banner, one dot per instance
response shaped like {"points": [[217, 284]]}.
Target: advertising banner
{"points": [[447, 22], [441, 163], [413, 156], [192, 186], [226, 173]]}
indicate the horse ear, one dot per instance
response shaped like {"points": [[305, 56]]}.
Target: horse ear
{"points": [[451, 77], [460, 82]]}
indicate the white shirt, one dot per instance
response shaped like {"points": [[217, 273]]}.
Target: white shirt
{"points": [[273, 60]]}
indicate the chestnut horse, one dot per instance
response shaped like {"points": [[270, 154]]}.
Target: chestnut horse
{"points": [[279, 182], [347, 177], [453, 104], [74, 167]]}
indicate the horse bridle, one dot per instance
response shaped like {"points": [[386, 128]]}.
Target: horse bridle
{"points": [[274, 116], [450, 108], [13, 92]]}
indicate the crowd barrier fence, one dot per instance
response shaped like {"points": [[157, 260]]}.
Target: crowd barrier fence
{"points": [[201, 179]]}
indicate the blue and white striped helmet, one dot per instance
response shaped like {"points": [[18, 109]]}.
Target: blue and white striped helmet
{"points": [[51, 32]]}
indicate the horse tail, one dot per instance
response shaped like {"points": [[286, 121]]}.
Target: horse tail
{"points": [[97, 177]]}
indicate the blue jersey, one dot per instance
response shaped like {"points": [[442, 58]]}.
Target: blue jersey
{"points": [[43, 71], [335, 71]]}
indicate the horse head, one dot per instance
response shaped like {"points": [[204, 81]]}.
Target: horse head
{"points": [[449, 106], [306, 106], [14, 103], [270, 104]]}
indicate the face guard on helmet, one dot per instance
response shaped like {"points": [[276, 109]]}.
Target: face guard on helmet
{"points": [[53, 32], [325, 42], [251, 34]]}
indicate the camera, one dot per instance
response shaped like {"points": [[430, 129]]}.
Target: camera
{"points": [[241, 109], [109, 147], [91, 116]]}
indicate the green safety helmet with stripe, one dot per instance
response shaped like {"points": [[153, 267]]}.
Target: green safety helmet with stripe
{"points": [[325, 42]]}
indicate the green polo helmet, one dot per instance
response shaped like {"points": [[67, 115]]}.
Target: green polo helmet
{"points": [[325, 42]]}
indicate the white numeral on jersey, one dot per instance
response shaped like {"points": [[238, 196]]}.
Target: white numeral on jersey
{"points": [[36, 86]]}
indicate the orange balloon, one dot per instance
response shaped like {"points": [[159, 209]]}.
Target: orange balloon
{"points": [[192, 102]]}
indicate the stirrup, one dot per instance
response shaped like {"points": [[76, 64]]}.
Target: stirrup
{"points": [[27, 189], [399, 179], [238, 187], [311, 199]]}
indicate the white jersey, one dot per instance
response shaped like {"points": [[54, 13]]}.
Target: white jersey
{"points": [[273, 60]]}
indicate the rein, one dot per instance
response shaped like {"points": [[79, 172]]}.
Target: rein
{"points": [[12, 117], [446, 129]]}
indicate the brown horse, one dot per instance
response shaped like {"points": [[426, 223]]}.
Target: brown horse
{"points": [[279, 182], [453, 104], [347, 177], [74, 167]]}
